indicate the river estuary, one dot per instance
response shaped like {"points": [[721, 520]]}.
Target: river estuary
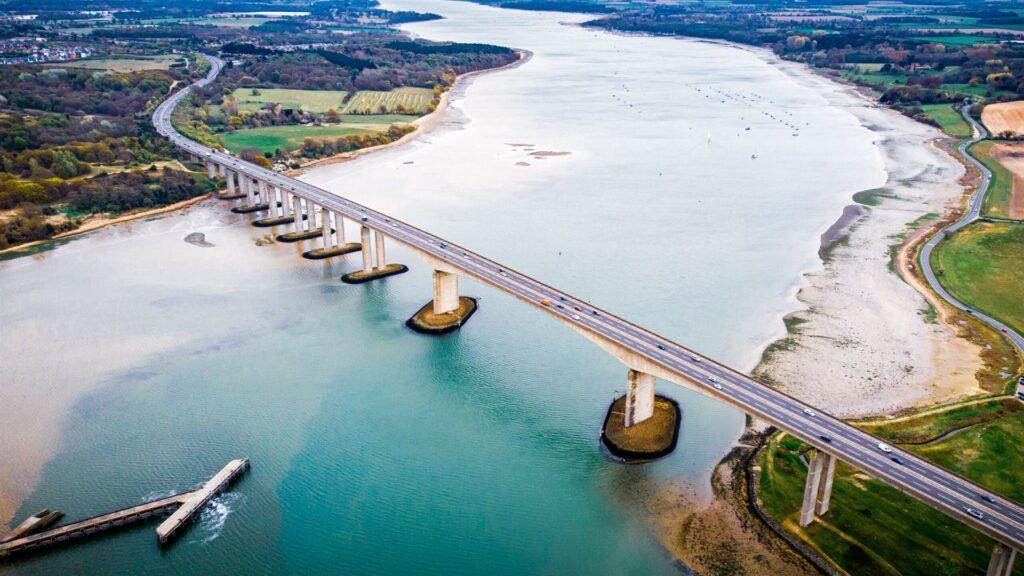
{"points": [[697, 180]]}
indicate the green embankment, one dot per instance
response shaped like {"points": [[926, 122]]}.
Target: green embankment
{"points": [[983, 266], [287, 138], [1000, 189], [949, 120], [872, 528]]}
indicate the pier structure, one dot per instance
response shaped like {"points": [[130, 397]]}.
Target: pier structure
{"points": [[183, 505]]}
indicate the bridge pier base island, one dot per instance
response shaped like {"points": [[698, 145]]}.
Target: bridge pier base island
{"points": [[334, 239], [643, 441], [447, 311], [369, 271]]}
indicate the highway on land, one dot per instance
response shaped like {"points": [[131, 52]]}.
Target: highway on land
{"points": [[973, 213], [997, 517]]}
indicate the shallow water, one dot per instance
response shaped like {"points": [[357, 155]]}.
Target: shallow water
{"points": [[152, 361]]}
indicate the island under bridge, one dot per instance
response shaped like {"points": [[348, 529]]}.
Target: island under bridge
{"points": [[647, 356]]}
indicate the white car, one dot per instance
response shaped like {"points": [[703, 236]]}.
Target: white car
{"points": [[575, 316], [809, 412], [712, 379], [717, 386], [694, 358], [885, 447]]}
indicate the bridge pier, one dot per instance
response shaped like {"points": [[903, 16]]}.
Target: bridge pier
{"points": [[256, 193], [211, 171], [369, 271], [818, 488], [1001, 563], [447, 311], [639, 397], [301, 232]]}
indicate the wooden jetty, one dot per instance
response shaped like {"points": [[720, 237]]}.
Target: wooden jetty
{"points": [[184, 504], [167, 529]]}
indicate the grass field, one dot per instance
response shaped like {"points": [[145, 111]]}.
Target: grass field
{"points": [[949, 120], [272, 138], [315, 101], [870, 529], [1000, 189], [957, 39], [983, 266], [133, 64], [412, 100], [928, 426]]}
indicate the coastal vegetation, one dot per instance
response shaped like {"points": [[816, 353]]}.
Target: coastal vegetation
{"points": [[872, 528], [948, 119]]}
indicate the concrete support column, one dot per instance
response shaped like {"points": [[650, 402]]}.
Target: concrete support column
{"points": [[828, 472], [812, 487], [364, 236], [263, 192], [446, 292], [297, 212], [381, 258], [325, 216], [231, 182], [247, 186], [278, 196], [339, 226], [211, 171], [639, 397], [1001, 563], [223, 171], [311, 215]]}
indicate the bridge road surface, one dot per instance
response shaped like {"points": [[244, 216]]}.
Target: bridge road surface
{"points": [[973, 213], [1000, 519]]}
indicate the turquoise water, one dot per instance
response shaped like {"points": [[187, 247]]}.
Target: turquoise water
{"points": [[135, 364]]}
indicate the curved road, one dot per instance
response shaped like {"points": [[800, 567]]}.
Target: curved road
{"points": [[973, 214], [991, 514]]}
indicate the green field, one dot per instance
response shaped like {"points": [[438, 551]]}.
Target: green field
{"points": [[133, 64], [949, 120], [873, 529], [315, 101], [412, 101], [957, 39], [1000, 189], [983, 266], [272, 138]]}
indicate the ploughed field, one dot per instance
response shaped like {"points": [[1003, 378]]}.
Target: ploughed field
{"points": [[1004, 117]]}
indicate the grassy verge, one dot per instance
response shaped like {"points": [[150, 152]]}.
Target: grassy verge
{"points": [[872, 528], [272, 138], [949, 120], [997, 199], [983, 266]]}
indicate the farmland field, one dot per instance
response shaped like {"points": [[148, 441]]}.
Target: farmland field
{"points": [[412, 100], [1004, 117], [133, 64], [315, 101], [1000, 190], [983, 266], [272, 138]]}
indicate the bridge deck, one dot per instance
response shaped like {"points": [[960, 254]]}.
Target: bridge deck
{"points": [[999, 518]]}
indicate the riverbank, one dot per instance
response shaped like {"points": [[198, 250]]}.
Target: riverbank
{"points": [[424, 124], [98, 222], [860, 340]]}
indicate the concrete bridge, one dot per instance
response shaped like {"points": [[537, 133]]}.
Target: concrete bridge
{"points": [[647, 357]]}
